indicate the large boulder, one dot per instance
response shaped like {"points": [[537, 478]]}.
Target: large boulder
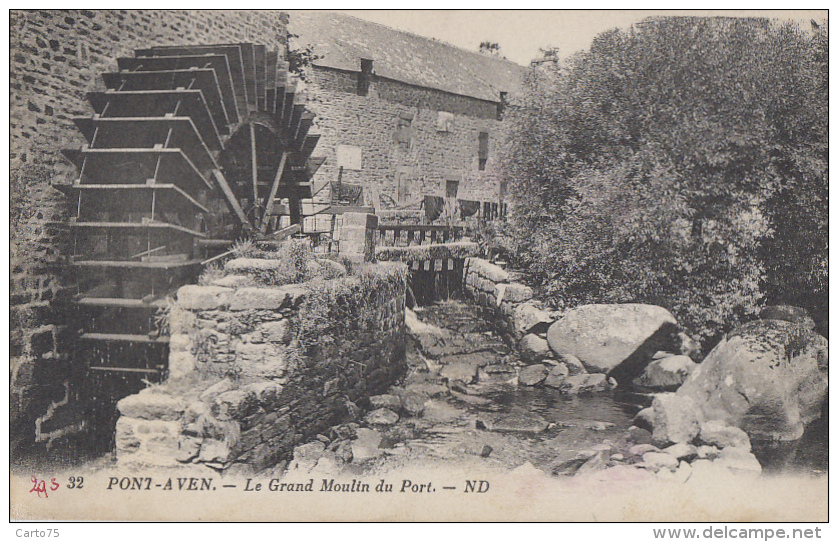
{"points": [[619, 339], [768, 377]]}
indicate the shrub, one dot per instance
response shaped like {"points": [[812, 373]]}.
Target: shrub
{"points": [[652, 168]]}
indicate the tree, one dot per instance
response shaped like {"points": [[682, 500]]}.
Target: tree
{"points": [[490, 48], [642, 168]]}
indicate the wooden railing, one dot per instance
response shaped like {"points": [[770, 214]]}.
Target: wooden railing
{"points": [[404, 235]]}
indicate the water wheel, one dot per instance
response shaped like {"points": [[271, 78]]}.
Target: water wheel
{"points": [[188, 149]]}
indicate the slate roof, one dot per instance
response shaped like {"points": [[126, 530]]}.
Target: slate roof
{"points": [[343, 40]]}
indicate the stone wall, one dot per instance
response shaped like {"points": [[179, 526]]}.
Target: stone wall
{"points": [[429, 159], [255, 371], [56, 57], [508, 304]]}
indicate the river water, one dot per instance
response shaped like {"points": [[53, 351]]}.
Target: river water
{"points": [[506, 424]]}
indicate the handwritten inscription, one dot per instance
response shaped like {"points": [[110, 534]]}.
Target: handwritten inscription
{"points": [[40, 487]]}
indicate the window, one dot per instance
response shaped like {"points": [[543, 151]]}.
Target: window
{"points": [[482, 150], [364, 77], [402, 135]]}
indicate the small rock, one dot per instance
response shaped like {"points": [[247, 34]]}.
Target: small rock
{"points": [[533, 348], [381, 416], [638, 435], [274, 331], [640, 449], [524, 422], [307, 455], [558, 373], [486, 451], [645, 419], [676, 419], [682, 450], [234, 404], [707, 452], [413, 403], [327, 465], [149, 405], [459, 371], [188, 448], [266, 392], [365, 446], [689, 346], [574, 365], [666, 374], [617, 457], [387, 400], [528, 318], [214, 451], [597, 462], [569, 467], [209, 394], [532, 375], [584, 383], [717, 433], [344, 452], [659, 460], [343, 432]]}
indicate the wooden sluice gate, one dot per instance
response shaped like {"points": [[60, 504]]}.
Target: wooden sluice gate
{"points": [[434, 255]]}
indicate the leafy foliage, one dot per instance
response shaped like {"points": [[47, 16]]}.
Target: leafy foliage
{"points": [[490, 48], [649, 167], [345, 306], [301, 58]]}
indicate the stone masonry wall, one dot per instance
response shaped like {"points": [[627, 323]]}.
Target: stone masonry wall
{"points": [[56, 57], [431, 158], [508, 304], [244, 389]]}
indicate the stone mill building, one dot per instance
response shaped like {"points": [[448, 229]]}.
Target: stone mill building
{"points": [[402, 115], [196, 114]]}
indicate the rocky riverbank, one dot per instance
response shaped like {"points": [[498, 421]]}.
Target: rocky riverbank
{"points": [[470, 399]]}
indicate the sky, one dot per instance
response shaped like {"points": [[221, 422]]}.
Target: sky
{"points": [[520, 33]]}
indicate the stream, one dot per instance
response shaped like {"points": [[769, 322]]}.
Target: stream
{"points": [[470, 408]]}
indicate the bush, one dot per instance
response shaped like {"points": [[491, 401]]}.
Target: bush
{"points": [[339, 307], [648, 169]]}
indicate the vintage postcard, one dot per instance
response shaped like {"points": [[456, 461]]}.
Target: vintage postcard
{"points": [[531, 266]]}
